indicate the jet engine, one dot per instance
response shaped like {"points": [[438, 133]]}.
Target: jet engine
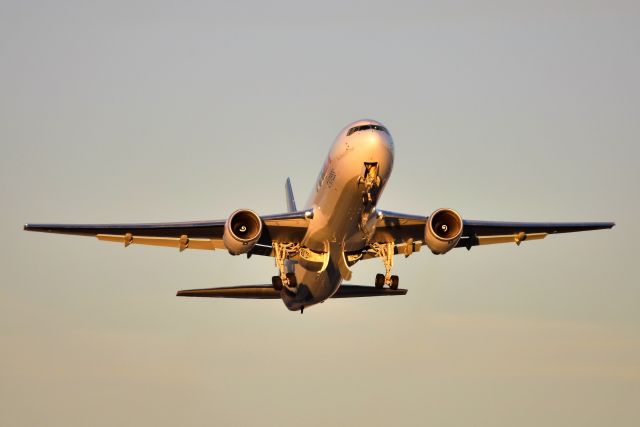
{"points": [[443, 230], [242, 231]]}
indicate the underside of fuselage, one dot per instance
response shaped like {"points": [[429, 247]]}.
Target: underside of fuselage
{"points": [[343, 205]]}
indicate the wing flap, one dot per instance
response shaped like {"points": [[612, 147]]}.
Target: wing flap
{"points": [[510, 238], [182, 243]]}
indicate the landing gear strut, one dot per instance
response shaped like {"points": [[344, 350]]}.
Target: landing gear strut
{"points": [[385, 252], [284, 251], [370, 182]]}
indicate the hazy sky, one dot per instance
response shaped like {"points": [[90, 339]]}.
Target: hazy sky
{"points": [[157, 111]]}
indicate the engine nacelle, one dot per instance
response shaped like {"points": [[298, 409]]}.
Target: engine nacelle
{"points": [[443, 231], [242, 231]]}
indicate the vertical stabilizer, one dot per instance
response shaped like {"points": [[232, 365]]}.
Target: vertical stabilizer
{"points": [[291, 203]]}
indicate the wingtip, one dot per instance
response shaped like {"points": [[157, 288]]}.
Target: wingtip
{"points": [[25, 227]]}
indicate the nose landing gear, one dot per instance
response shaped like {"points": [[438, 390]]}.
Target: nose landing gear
{"points": [[370, 183], [385, 252]]}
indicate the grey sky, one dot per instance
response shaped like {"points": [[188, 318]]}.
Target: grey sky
{"points": [[154, 111]]}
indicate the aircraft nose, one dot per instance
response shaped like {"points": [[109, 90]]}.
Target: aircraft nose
{"points": [[377, 141]]}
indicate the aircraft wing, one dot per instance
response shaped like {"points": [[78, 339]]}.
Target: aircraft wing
{"points": [[404, 229], [184, 235], [476, 233]]}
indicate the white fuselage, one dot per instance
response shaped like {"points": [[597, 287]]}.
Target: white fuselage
{"points": [[338, 209]]}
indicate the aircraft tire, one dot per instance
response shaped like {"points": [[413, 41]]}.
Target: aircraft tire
{"points": [[276, 281], [379, 281], [394, 282], [293, 282]]}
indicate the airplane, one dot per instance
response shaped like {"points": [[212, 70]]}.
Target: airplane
{"points": [[340, 225]]}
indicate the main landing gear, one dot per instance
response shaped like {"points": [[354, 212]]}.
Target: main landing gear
{"points": [[385, 252], [282, 252], [278, 282]]}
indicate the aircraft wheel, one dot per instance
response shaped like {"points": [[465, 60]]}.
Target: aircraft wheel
{"points": [[276, 281], [394, 282], [379, 281], [293, 282]]}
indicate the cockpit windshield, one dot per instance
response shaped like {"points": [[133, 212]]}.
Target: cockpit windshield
{"points": [[367, 127]]}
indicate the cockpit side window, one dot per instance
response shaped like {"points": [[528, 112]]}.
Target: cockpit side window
{"points": [[367, 127]]}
